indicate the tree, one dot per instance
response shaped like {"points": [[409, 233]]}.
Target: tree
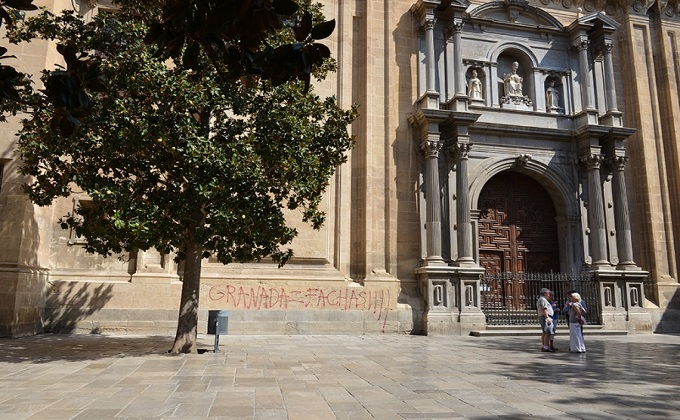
{"points": [[179, 157], [14, 85], [232, 34]]}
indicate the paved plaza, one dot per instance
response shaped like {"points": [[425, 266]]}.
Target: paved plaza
{"points": [[344, 377]]}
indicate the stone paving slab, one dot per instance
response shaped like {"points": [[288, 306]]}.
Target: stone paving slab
{"points": [[338, 377]]}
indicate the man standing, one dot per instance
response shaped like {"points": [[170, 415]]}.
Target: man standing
{"points": [[545, 313]]}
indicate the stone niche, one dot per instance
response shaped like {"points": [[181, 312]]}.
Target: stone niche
{"points": [[513, 81]]}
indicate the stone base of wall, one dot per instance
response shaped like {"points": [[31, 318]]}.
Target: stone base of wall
{"points": [[275, 307], [665, 321], [266, 322], [22, 297], [149, 306]]}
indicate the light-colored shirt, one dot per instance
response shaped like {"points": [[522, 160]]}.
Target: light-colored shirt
{"points": [[542, 303], [573, 314]]}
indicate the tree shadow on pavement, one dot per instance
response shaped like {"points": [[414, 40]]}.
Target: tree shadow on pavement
{"points": [[64, 347]]}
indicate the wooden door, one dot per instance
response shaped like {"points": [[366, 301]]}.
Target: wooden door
{"points": [[517, 228]]}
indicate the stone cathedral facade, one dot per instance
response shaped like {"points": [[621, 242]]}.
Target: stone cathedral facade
{"points": [[509, 136]]}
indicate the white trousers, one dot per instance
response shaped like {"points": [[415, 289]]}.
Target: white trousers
{"points": [[576, 343]]}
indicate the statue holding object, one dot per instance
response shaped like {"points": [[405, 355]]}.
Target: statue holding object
{"points": [[514, 91], [513, 82]]}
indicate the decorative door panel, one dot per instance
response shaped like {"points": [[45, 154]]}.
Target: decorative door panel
{"points": [[493, 261], [517, 220]]}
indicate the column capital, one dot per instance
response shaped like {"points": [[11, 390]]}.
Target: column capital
{"points": [[428, 22], [591, 162], [455, 26], [601, 49], [617, 162], [581, 43], [430, 147], [460, 151]]}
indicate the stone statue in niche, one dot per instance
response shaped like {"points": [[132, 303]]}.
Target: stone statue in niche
{"points": [[513, 82], [475, 87], [552, 98], [514, 92]]}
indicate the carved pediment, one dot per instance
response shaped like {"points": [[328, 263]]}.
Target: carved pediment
{"points": [[516, 12], [598, 19]]}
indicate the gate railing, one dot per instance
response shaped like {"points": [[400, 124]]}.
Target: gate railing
{"points": [[510, 298]]}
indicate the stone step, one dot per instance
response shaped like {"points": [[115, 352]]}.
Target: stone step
{"points": [[533, 327], [508, 331]]}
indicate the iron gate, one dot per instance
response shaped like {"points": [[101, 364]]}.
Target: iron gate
{"points": [[510, 298]]}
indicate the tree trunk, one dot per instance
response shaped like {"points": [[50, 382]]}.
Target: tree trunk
{"points": [[187, 324]]}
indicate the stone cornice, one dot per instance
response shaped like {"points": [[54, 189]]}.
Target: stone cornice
{"points": [[555, 134], [443, 117], [509, 130]]}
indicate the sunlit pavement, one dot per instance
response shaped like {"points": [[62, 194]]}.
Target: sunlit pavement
{"points": [[346, 377]]}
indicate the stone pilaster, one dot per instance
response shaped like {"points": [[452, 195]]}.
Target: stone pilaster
{"points": [[450, 63]]}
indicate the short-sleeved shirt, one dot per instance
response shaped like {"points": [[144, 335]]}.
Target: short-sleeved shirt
{"points": [[542, 303]]}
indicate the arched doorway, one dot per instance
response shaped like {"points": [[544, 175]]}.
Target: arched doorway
{"points": [[517, 227]]}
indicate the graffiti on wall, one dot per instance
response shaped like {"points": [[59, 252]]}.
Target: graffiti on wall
{"points": [[262, 297]]}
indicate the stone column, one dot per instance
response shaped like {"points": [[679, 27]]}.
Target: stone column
{"points": [[456, 29], [460, 154], [596, 223], [581, 45], [609, 74], [428, 25], [431, 146], [624, 242]]}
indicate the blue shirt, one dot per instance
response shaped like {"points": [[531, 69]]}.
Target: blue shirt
{"points": [[555, 309]]}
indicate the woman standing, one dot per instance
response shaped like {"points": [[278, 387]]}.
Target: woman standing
{"points": [[556, 312], [576, 319]]}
